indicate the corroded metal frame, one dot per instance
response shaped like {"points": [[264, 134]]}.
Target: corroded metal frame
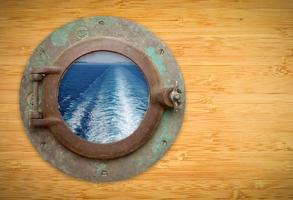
{"points": [[54, 119], [41, 65]]}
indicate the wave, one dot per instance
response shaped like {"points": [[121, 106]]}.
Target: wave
{"points": [[112, 106]]}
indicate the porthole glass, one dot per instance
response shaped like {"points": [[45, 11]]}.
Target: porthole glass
{"points": [[103, 97]]}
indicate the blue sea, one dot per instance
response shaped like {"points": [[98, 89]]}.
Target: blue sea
{"points": [[103, 103]]}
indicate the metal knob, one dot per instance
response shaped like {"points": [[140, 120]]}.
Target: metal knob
{"points": [[176, 96], [170, 97]]}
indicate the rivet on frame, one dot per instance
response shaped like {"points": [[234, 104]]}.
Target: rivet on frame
{"points": [[82, 32]]}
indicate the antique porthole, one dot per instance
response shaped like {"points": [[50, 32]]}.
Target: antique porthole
{"points": [[102, 99]]}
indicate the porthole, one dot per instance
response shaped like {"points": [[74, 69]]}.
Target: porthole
{"points": [[102, 99], [108, 101]]}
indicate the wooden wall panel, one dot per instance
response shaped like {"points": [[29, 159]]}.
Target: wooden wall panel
{"points": [[237, 138]]}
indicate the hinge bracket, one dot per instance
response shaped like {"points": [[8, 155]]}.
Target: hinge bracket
{"points": [[37, 75]]}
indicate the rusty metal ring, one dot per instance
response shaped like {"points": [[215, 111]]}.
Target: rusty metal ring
{"points": [[89, 149]]}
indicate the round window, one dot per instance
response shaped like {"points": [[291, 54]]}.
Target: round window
{"points": [[102, 98]]}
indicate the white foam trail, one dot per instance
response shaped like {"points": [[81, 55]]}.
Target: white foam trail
{"points": [[79, 107], [115, 120]]}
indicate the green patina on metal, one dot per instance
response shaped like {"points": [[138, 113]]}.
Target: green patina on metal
{"points": [[165, 119], [100, 168], [105, 21], [40, 57], [134, 163], [60, 36], [82, 32], [92, 21], [158, 146], [81, 28], [30, 102], [157, 59]]}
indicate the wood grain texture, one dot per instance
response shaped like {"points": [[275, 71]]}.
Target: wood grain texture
{"points": [[237, 137]]}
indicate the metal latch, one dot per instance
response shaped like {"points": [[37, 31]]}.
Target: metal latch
{"points": [[170, 97]]}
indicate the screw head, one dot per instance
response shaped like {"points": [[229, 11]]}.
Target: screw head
{"points": [[177, 96]]}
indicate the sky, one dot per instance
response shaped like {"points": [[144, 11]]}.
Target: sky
{"points": [[104, 57]]}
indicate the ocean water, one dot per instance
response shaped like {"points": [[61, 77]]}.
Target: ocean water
{"points": [[103, 103]]}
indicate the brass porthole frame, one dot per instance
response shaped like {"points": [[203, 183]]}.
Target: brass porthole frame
{"points": [[48, 131], [51, 117]]}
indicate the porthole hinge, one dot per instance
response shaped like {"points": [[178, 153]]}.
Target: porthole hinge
{"points": [[37, 75]]}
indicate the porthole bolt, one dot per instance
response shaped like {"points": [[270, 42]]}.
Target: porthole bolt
{"points": [[176, 96], [170, 97]]}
